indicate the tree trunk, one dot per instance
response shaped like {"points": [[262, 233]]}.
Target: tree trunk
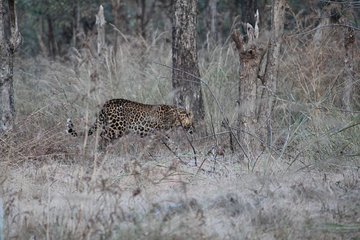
{"points": [[51, 37], [250, 57], [100, 25], [234, 8], [271, 74], [144, 16], [185, 78], [257, 85], [212, 37], [141, 18], [8, 44], [248, 9], [120, 19], [349, 70], [76, 23]]}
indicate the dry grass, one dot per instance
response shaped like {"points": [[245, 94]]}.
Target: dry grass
{"points": [[129, 199], [306, 187]]}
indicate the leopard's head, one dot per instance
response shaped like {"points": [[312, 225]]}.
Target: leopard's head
{"points": [[185, 119]]}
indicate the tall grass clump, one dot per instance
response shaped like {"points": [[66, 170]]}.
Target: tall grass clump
{"points": [[315, 124]]}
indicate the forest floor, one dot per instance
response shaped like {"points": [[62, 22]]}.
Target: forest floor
{"points": [[122, 196]]}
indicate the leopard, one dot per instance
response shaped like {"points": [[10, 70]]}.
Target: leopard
{"points": [[119, 117]]}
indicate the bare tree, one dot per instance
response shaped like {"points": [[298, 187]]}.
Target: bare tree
{"points": [[258, 82], [9, 41], [100, 25], [185, 78], [250, 56]]}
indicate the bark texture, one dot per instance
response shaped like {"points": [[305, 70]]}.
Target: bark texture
{"points": [[9, 41], [271, 74], [258, 81], [250, 58], [185, 78]]}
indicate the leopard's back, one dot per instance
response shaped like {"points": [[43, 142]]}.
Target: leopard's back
{"points": [[121, 116]]}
